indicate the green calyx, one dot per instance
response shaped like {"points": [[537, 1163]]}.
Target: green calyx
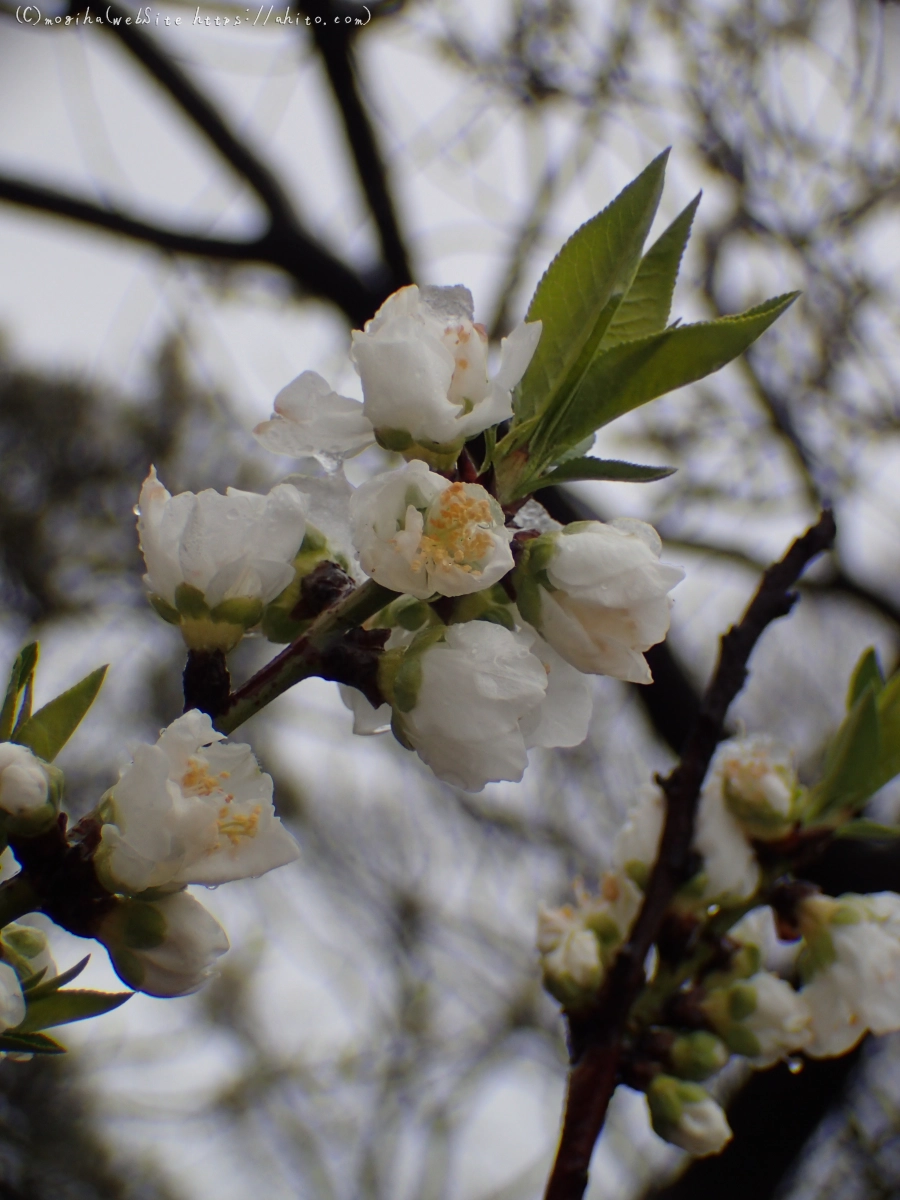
{"points": [[400, 670], [205, 628], [667, 1097], [530, 575], [696, 1056], [276, 623], [439, 456], [492, 604]]}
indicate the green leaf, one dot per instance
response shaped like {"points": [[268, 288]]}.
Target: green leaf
{"points": [[581, 289], [20, 680], [46, 988], [889, 728], [850, 765], [866, 672], [632, 373], [30, 1043], [645, 308], [600, 468], [864, 828], [61, 1008], [48, 730]]}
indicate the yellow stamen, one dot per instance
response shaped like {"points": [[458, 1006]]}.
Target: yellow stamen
{"points": [[458, 531], [236, 826], [198, 780]]}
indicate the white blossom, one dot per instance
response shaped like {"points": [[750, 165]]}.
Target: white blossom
{"points": [[418, 533], [578, 942], [191, 809], [637, 843], [757, 928], [230, 554], [12, 1002], [598, 594], [423, 366], [164, 947], [852, 963], [312, 420], [24, 781], [762, 1018], [687, 1116], [27, 949], [482, 698], [759, 785]]}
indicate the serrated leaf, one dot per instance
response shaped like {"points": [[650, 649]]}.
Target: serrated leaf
{"points": [[600, 468], [849, 777], [867, 672], [632, 373], [47, 987], [30, 1043], [646, 306], [48, 730], [20, 680], [61, 1008], [581, 289], [871, 830]]}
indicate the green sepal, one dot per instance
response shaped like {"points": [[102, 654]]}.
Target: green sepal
{"points": [[849, 776], [696, 1056], [238, 610], [17, 704], [646, 307], [741, 1001], [863, 828], [48, 730], [164, 609], [439, 456], [12, 1042], [577, 298], [191, 602], [408, 676], [816, 953], [492, 604], [61, 1008], [742, 1040]]}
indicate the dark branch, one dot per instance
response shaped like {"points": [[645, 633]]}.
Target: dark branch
{"points": [[334, 44], [313, 269], [594, 1075]]}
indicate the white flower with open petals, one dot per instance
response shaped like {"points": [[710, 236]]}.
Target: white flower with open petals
{"points": [[191, 809], [164, 947], [598, 594], [312, 421], [416, 532], [472, 703], [851, 962], [214, 561], [424, 372]]}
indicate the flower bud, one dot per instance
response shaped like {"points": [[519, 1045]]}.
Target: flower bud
{"points": [[164, 947], [12, 1002], [598, 594], [27, 950], [415, 532], [214, 562], [760, 787], [697, 1055], [637, 843], [577, 944], [423, 366], [687, 1116], [761, 1018], [312, 421], [29, 792]]}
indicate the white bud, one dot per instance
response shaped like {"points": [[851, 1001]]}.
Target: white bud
{"points": [[607, 600], [687, 1116], [164, 947], [423, 366], [12, 1002], [24, 781], [761, 1018], [416, 532], [191, 809]]}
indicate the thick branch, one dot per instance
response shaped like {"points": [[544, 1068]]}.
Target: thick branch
{"points": [[593, 1077], [333, 42]]}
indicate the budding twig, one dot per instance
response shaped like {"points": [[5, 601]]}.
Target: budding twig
{"points": [[303, 657], [595, 1072]]}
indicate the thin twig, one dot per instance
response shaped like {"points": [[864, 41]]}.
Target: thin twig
{"points": [[594, 1075]]}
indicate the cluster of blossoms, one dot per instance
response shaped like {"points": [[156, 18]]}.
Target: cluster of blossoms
{"points": [[515, 610], [747, 964]]}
